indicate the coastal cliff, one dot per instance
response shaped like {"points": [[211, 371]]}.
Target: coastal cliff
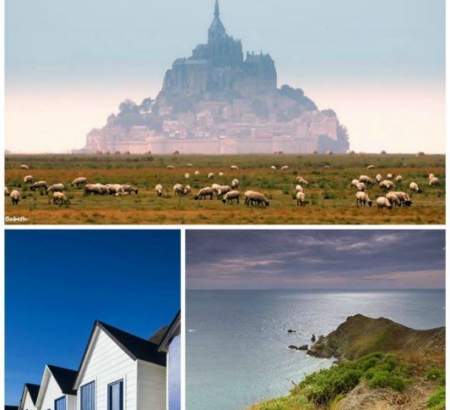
{"points": [[380, 364]]}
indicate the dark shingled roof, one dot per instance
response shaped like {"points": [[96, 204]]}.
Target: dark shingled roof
{"points": [[136, 347], [158, 336], [11, 407], [65, 378], [33, 389]]}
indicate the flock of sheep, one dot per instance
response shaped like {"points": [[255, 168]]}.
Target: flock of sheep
{"points": [[391, 198], [229, 194]]}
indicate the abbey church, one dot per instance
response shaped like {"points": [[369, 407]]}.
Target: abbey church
{"points": [[221, 101]]}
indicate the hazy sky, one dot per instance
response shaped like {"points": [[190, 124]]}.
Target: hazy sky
{"points": [[319, 259], [380, 64]]}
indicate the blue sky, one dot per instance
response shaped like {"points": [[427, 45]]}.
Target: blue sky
{"points": [[319, 259], [377, 63], [59, 282]]}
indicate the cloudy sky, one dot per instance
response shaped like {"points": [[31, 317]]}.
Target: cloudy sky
{"points": [[319, 259], [379, 64]]}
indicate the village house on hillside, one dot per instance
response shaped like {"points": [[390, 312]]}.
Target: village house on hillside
{"points": [[118, 371]]}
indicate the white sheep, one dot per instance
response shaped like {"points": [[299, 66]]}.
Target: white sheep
{"points": [[55, 188], [95, 189], [361, 186], [299, 188], [371, 166], [24, 166], [355, 182], [187, 190], [393, 199], [234, 167], [254, 198], [196, 172], [367, 180], [221, 174], [187, 175], [378, 178], [235, 183], [211, 175], [386, 184], [15, 196], [300, 196], [129, 189], [362, 199], [398, 179], [159, 190], [433, 181], [79, 181], [413, 187], [231, 196], [28, 179], [284, 167], [389, 176], [39, 185], [170, 167], [59, 198], [404, 198], [302, 181], [178, 189], [383, 202], [273, 168], [204, 193], [189, 165]]}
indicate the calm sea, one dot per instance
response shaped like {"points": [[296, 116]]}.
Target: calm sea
{"points": [[237, 341]]}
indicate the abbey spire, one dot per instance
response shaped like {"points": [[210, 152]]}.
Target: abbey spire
{"points": [[216, 30], [216, 9]]}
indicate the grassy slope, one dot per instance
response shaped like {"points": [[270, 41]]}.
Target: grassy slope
{"points": [[391, 367], [331, 199]]}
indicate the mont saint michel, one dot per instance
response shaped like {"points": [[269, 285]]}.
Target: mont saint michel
{"points": [[220, 101]]}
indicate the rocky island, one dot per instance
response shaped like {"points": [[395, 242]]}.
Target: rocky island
{"points": [[380, 364], [218, 101]]}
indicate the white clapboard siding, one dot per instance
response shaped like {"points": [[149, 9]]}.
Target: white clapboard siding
{"points": [[53, 392], [151, 386], [109, 363], [27, 402]]}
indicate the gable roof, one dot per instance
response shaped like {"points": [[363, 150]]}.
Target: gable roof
{"points": [[33, 390], [173, 330], [134, 346], [64, 377], [158, 335]]}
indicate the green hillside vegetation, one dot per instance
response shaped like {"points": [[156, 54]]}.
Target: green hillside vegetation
{"points": [[381, 365]]}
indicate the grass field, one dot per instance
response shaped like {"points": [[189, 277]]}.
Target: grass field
{"points": [[330, 198]]}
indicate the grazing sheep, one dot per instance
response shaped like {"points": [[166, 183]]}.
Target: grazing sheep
{"points": [[77, 182], [231, 196], [433, 181], [300, 198], [222, 190], [187, 190], [378, 178], [234, 167], [299, 188], [367, 180], [55, 188], [211, 175], [39, 185], [178, 189], [393, 199], [301, 181], [28, 179], [398, 179], [187, 175], [59, 198], [204, 193], [361, 186], [114, 189], [15, 197], [95, 189], [130, 189], [386, 184], [24, 166], [159, 189], [355, 182], [170, 167], [189, 165], [196, 172], [404, 198], [273, 168], [284, 168], [371, 166], [413, 187], [389, 176], [235, 183], [430, 176], [221, 174], [253, 198], [383, 202], [362, 199]]}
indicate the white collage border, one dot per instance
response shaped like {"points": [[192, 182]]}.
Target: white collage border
{"points": [[183, 228]]}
